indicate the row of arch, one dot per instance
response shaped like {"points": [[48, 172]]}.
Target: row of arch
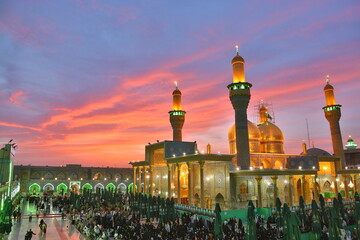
{"points": [[35, 188], [73, 175]]}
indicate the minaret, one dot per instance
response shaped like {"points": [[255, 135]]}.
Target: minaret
{"points": [[239, 93], [350, 144], [333, 114], [177, 116]]}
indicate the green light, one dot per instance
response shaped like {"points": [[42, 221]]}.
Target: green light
{"points": [[351, 144], [34, 188], [331, 108], [239, 85], [2, 202], [88, 186], [10, 175], [60, 187], [110, 187], [177, 113]]}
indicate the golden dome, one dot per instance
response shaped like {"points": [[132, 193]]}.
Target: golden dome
{"points": [[254, 138], [254, 132], [272, 138], [270, 131]]}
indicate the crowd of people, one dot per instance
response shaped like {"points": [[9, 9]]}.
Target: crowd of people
{"points": [[97, 218]]}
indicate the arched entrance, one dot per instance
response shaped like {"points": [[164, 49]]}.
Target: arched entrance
{"points": [[110, 187], [121, 188], [131, 188], [98, 176], [99, 187], [34, 189], [61, 189], [87, 187], [220, 200], [196, 200], [278, 164], [327, 189], [266, 164], [270, 194], [48, 187]]}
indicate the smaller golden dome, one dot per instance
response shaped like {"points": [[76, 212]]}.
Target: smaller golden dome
{"points": [[237, 58], [271, 132]]}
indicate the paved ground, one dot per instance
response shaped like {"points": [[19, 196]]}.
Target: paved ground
{"points": [[56, 227]]}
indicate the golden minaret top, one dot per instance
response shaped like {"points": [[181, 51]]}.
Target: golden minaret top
{"points": [[238, 67]]}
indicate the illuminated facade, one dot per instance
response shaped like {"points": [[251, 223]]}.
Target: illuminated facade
{"points": [[256, 169], [72, 177]]}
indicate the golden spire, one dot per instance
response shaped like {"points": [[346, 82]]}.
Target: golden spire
{"points": [[329, 92], [176, 98], [238, 67]]}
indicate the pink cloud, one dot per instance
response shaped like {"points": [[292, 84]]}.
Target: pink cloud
{"points": [[15, 98]]}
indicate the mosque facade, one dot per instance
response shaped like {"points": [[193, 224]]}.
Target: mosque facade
{"points": [[256, 168]]}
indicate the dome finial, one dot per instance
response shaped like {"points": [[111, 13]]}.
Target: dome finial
{"points": [[327, 78], [176, 84], [237, 49]]}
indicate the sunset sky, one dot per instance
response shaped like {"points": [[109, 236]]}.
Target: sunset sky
{"points": [[90, 82]]}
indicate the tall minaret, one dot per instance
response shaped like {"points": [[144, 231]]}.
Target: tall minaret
{"points": [[177, 116], [239, 93], [333, 114]]}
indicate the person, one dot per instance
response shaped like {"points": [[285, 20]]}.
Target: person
{"points": [[42, 226], [30, 216], [29, 234]]}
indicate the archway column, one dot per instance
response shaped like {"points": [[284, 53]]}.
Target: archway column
{"points": [[146, 177], [303, 188], [291, 182], [316, 192], [335, 187], [139, 179], [178, 165], [169, 180], [151, 187], [202, 202], [190, 189], [346, 188], [258, 181], [134, 182], [274, 179], [355, 184]]}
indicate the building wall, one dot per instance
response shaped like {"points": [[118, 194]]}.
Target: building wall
{"points": [[52, 177]]}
